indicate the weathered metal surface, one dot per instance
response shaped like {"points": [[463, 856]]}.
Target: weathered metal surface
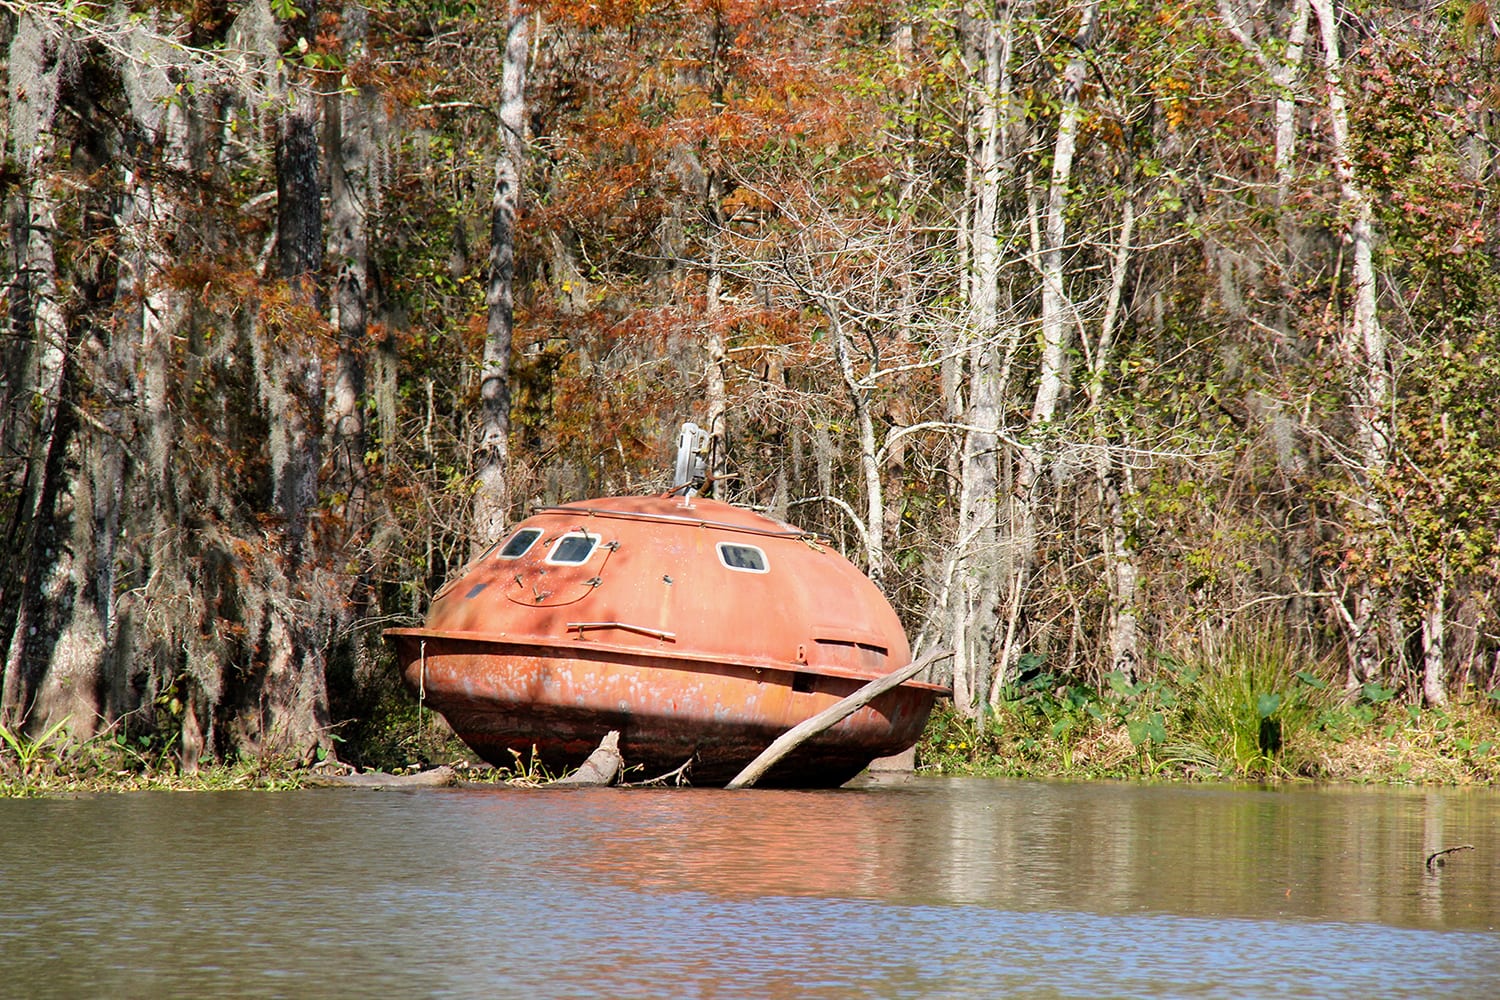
{"points": [[689, 650]]}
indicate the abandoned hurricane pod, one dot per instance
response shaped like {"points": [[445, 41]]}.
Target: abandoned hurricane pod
{"points": [[699, 630]]}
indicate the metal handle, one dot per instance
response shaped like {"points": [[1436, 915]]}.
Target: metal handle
{"points": [[655, 633]]}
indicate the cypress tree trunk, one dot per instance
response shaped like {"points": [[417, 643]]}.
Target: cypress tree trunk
{"points": [[37, 423], [286, 712], [297, 369]]}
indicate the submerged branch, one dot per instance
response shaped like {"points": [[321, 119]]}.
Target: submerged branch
{"points": [[1435, 859]]}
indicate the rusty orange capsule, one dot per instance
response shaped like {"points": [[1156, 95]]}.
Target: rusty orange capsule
{"points": [[699, 630]]}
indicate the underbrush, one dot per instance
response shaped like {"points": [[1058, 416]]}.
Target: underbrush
{"points": [[391, 733], [1251, 708], [54, 763], [1245, 709]]}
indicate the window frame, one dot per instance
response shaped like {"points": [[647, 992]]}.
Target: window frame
{"points": [[537, 534], [765, 563], [593, 540]]}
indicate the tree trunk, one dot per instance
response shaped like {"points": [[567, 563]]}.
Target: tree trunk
{"points": [[718, 387], [1434, 648], [1120, 567], [492, 502], [40, 429], [977, 556], [1057, 321], [1057, 315], [297, 372], [348, 143], [872, 527], [713, 218], [151, 316], [1362, 347], [285, 712]]}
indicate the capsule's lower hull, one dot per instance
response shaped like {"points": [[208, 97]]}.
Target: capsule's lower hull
{"points": [[556, 701]]}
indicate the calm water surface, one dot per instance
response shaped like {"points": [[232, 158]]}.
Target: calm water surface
{"points": [[900, 888]]}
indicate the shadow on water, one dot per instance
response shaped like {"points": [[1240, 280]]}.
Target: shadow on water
{"points": [[919, 888]]}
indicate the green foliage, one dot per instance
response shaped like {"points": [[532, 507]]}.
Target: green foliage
{"points": [[1252, 704], [32, 756], [1251, 699], [1218, 721], [953, 744]]}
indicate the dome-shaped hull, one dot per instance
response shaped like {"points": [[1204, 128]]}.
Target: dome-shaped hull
{"points": [[698, 630]]}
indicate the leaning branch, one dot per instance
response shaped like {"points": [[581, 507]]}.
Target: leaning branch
{"points": [[829, 717]]}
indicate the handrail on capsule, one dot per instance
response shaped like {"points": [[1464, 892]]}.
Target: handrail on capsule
{"points": [[655, 633], [699, 522]]}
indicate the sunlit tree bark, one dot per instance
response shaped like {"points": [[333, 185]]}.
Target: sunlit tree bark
{"points": [[1057, 319], [348, 143], [1362, 342], [1120, 564], [36, 420], [977, 557], [492, 501]]}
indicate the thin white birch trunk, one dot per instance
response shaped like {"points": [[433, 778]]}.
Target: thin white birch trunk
{"points": [[717, 386], [873, 529], [974, 574], [1057, 316], [713, 214], [1363, 344], [1434, 646], [1120, 566]]}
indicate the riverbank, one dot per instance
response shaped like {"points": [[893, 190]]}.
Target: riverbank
{"points": [[1122, 732], [1080, 737]]}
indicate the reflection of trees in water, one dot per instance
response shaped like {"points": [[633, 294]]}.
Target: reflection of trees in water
{"points": [[1317, 854]]}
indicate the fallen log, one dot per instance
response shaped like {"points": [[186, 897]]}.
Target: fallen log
{"points": [[831, 716], [438, 777], [601, 769]]}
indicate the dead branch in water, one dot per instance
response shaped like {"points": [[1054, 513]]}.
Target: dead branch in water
{"points": [[1437, 856], [676, 777], [601, 769]]}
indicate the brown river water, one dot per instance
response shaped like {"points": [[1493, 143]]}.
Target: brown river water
{"points": [[898, 887]]}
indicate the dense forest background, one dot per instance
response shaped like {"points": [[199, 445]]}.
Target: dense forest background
{"points": [[1096, 331]]}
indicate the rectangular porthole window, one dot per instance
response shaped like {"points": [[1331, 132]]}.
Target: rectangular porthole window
{"points": [[519, 544], [746, 558], [573, 549]]}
